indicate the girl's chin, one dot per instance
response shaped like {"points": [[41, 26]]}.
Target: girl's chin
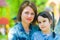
{"points": [[43, 29]]}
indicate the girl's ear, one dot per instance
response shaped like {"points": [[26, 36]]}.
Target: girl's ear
{"points": [[51, 22]]}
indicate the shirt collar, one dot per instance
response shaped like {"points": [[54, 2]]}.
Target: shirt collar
{"points": [[22, 29]]}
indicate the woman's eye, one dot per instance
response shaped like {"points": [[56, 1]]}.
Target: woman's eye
{"points": [[26, 13], [32, 13]]}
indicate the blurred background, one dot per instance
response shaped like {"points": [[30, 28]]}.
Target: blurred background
{"points": [[9, 10]]}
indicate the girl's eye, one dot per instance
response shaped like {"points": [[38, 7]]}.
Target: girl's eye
{"points": [[44, 21], [39, 22]]}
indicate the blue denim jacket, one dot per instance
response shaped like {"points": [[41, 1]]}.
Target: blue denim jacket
{"points": [[40, 36], [18, 32], [57, 28]]}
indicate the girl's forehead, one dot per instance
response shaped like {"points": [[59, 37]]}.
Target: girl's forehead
{"points": [[40, 18]]}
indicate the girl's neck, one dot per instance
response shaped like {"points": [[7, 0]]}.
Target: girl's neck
{"points": [[25, 26], [48, 31]]}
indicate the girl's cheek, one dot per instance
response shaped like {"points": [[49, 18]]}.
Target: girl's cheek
{"points": [[39, 25], [46, 24]]}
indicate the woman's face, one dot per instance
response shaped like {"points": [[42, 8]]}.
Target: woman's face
{"points": [[27, 15], [44, 23]]}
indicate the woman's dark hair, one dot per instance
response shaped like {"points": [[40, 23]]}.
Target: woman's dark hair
{"points": [[46, 14], [25, 4]]}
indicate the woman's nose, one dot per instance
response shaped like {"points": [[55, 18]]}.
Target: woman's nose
{"points": [[29, 15]]}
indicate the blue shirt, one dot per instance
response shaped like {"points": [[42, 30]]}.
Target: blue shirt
{"points": [[40, 36], [57, 28], [18, 32]]}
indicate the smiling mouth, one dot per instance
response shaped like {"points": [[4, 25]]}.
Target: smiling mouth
{"points": [[42, 27], [29, 19]]}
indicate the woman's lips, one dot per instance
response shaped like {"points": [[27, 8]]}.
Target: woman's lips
{"points": [[29, 19]]}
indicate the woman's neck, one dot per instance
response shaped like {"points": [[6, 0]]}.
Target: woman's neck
{"points": [[25, 26]]}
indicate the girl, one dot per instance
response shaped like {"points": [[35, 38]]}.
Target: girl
{"points": [[45, 22]]}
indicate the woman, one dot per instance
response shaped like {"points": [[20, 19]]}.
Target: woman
{"points": [[45, 22], [27, 17]]}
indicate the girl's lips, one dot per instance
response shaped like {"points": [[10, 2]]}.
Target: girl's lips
{"points": [[42, 27]]}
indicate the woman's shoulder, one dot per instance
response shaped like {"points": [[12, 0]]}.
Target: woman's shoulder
{"points": [[15, 28]]}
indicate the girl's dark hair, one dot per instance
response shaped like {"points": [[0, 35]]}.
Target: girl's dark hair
{"points": [[46, 14], [53, 24], [25, 4]]}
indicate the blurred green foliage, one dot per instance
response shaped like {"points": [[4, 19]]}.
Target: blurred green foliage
{"points": [[13, 6]]}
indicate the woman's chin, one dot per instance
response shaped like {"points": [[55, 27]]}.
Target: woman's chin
{"points": [[27, 22]]}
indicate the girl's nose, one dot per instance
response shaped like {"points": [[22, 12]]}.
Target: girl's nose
{"points": [[41, 24]]}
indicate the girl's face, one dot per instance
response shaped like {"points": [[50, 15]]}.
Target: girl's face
{"points": [[44, 23], [27, 15]]}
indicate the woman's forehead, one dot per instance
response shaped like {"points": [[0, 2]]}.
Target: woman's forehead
{"points": [[28, 8]]}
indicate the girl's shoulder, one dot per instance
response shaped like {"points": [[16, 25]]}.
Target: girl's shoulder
{"points": [[37, 33], [37, 36], [57, 36]]}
